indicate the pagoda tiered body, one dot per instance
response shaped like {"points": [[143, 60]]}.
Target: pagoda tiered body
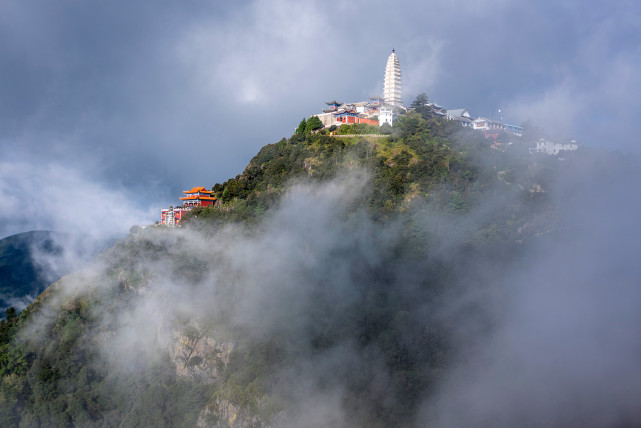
{"points": [[392, 85], [196, 197]]}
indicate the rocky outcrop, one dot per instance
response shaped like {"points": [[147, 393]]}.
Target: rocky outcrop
{"points": [[221, 412], [198, 355]]}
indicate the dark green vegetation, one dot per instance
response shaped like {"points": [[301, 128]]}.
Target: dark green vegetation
{"points": [[431, 160], [19, 275], [290, 310], [55, 378]]}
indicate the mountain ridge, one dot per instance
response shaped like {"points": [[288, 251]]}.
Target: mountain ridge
{"points": [[21, 276], [303, 288]]}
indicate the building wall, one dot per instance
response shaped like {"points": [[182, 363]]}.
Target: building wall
{"points": [[168, 218], [551, 148], [385, 117], [367, 121], [327, 119]]}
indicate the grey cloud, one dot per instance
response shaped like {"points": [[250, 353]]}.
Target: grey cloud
{"points": [[177, 95]]}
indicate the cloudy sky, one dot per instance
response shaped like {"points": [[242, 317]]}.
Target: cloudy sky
{"points": [[109, 109]]}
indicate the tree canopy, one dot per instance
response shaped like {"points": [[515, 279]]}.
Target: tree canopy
{"points": [[313, 123]]}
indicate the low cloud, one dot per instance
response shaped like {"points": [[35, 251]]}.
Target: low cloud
{"points": [[58, 197], [544, 339], [562, 349]]}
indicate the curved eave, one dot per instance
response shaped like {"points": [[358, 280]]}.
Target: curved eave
{"points": [[196, 198], [197, 190]]}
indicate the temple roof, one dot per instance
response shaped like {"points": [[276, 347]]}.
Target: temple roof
{"points": [[346, 113], [458, 112], [196, 190], [196, 197], [333, 102]]}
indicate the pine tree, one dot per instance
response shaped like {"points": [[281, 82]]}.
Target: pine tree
{"points": [[301, 127]]}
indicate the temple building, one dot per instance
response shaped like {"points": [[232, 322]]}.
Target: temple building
{"points": [[196, 197], [339, 113], [552, 148], [332, 106], [392, 83], [172, 216]]}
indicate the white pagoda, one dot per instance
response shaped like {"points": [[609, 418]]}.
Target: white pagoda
{"points": [[392, 86]]}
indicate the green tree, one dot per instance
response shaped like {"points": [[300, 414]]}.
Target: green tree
{"points": [[457, 203], [420, 101], [11, 314], [301, 127], [386, 128], [313, 124], [420, 105]]}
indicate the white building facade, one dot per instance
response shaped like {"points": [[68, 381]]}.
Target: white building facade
{"points": [[552, 148], [386, 115], [485, 124]]}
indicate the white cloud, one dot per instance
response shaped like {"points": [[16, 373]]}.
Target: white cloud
{"points": [[67, 199]]}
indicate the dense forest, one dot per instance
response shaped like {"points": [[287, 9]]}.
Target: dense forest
{"points": [[330, 285]]}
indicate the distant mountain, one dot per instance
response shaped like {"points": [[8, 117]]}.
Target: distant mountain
{"points": [[21, 278]]}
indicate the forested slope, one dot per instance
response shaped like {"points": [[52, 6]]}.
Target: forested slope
{"points": [[320, 290]]}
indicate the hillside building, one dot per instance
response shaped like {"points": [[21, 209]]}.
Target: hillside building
{"points": [[171, 217], [386, 115], [376, 101], [332, 106], [551, 148], [196, 197], [515, 129], [351, 117], [338, 113], [392, 82], [460, 115], [386, 109], [484, 124], [375, 111]]}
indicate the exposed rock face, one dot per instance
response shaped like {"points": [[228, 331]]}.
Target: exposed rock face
{"points": [[198, 355], [222, 413], [309, 165]]}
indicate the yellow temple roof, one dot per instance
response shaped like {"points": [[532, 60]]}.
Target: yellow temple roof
{"points": [[197, 189]]}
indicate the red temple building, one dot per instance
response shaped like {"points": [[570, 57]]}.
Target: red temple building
{"points": [[352, 116], [196, 197]]}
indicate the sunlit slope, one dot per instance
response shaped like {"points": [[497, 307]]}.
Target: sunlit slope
{"points": [[433, 161]]}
